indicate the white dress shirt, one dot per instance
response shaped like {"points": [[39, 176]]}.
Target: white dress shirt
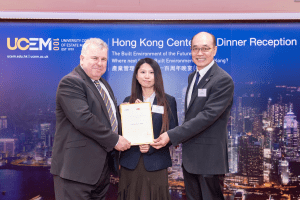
{"points": [[150, 99], [202, 72]]}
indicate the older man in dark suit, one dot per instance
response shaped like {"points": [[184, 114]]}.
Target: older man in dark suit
{"points": [[203, 134], [87, 127]]}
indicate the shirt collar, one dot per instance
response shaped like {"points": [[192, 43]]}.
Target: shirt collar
{"points": [[150, 99]]}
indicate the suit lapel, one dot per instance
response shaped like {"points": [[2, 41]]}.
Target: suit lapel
{"points": [[156, 119], [204, 80], [188, 88], [154, 115], [155, 101], [92, 86], [109, 91]]}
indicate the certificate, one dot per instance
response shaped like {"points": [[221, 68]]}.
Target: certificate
{"points": [[137, 123]]}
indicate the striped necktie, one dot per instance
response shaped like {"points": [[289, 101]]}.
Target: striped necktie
{"points": [[113, 121]]}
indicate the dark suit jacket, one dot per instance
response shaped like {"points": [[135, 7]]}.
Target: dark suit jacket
{"points": [[83, 136], [154, 159], [204, 132]]}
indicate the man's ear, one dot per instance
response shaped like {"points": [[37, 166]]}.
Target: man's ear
{"points": [[81, 58], [215, 49]]}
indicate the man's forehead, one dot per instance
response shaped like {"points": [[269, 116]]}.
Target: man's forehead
{"points": [[203, 39], [203, 44]]}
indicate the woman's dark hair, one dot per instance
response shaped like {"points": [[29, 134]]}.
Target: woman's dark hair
{"points": [[137, 93]]}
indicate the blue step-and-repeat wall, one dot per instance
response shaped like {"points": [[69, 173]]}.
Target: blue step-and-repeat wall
{"points": [[263, 131]]}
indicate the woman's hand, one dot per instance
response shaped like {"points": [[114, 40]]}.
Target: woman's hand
{"points": [[138, 101], [144, 148]]}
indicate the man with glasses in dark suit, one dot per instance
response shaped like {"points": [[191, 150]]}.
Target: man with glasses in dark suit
{"points": [[203, 134]]}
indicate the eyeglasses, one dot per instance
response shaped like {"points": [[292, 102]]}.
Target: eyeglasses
{"points": [[203, 49]]}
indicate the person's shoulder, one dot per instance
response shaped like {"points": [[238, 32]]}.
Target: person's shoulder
{"points": [[73, 77], [169, 97], [223, 78], [126, 99], [191, 74], [222, 73]]}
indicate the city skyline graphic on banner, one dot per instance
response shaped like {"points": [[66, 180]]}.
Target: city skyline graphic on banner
{"points": [[263, 130]]}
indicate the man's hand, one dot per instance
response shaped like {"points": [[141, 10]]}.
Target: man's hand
{"points": [[144, 148], [161, 141], [123, 144]]}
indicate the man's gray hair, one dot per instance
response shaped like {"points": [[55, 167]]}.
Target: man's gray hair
{"points": [[94, 41]]}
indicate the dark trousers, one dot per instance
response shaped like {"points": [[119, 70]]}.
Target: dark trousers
{"points": [[203, 187], [72, 190]]}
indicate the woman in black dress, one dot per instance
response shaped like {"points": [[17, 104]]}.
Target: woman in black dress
{"points": [[144, 173]]}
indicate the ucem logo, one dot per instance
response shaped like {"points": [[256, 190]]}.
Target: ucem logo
{"points": [[33, 44]]}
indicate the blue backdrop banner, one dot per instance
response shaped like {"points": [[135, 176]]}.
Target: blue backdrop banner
{"points": [[262, 58]]}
